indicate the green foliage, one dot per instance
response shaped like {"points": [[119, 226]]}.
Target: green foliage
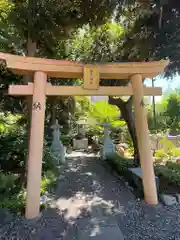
{"points": [[43, 24], [102, 112], [14, 202], [49, 181], [99, 113], [119, 163], [168, 151], [8, 182], [97, 44], [5, 36], [126, 138], [170, 175], [82, 107], [49, 161], [8, 122], [168, 145], [121, 166], [167, 114], [161, 155], [14, 149], [152, 33], [173, 166], [66, 139]]}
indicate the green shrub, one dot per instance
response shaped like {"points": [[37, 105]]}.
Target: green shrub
{"points": [[120, 164], [7, 183], [13, 157], [13, 149], [48, 181], [49, 160], [168, 151], [173, 166], [161, 154], [176, 152], [65, 139], [170, 175], [15, 202]]}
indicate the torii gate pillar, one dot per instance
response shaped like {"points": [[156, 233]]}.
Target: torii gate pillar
{"points": [[36, 145], [148, 176]]}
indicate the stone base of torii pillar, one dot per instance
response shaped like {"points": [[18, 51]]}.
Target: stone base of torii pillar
{"points": [[57, 147]]}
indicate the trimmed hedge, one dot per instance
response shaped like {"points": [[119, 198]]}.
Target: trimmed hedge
{"points": [[119, 164], [173, 166], [169, 174]]}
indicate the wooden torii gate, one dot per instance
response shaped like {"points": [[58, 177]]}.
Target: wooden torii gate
{"points": [[41, 69]]}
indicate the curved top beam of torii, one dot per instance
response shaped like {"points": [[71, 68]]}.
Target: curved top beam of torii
{"points": [[69, 69]]}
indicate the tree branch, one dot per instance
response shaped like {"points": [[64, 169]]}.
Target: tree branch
{"points": [[116, 101], [129, 103]]}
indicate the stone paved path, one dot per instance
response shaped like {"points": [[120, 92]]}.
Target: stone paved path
{"points": [[89, 199]]}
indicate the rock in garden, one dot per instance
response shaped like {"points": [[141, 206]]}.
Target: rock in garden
{"points": [[168, 200], [178, 197]]}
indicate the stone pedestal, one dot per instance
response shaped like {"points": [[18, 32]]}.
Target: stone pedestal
{"points": [[57, 147], [79, 144]]}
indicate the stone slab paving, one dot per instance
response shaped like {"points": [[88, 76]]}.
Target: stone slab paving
{"points": [[103, 233], [91, 203], [86, 203]]}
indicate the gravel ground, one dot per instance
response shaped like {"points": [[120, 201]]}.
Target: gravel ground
{"points": [[87, 196], [141, 222]]}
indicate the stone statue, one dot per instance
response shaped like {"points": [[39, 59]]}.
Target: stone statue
{"points": [[57, 147], [108, 146]]}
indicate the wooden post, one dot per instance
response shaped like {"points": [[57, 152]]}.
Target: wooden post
{"points": [[148, 177], [36, 145]]}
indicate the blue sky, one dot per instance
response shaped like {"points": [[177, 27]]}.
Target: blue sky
{"points": [[167, 84]]}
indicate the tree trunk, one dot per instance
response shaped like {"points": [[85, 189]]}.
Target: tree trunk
{"points": [[128, 116], [53, 110]]}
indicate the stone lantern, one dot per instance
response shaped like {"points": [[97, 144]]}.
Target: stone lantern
{"points": [[57, 147], [108, 145]]}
